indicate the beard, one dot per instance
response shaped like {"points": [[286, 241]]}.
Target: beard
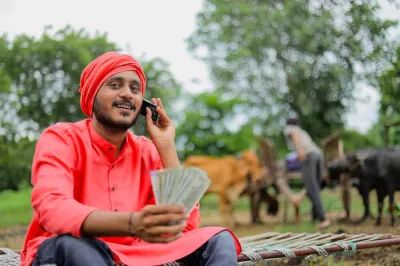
{"points": [[107, 121]]}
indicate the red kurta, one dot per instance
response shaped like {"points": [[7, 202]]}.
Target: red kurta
{"points": [[74, 173]]}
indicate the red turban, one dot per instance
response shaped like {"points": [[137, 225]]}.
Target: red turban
{"points": [[102, 68]]}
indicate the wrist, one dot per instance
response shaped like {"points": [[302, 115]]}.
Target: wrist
{"points": [[169, 156], [132, 224], [165, 146]]}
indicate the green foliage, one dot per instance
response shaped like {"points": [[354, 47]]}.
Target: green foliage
{"points": [[389, 83], [161, 83], [45, 74], [354, 140], [376, 134], [297, 54], [207, 127], [15, 162], [39, 82]]}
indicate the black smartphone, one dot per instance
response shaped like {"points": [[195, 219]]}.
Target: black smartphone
{"points": [[154, 115]]}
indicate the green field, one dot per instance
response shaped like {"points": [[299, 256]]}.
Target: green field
{"points": [[15, 208]]}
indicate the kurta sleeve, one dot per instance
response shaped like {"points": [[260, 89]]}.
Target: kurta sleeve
{"points": [[53, 184]]}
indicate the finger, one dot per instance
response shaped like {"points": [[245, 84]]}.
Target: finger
{"points": [[163, 219], [154, 209], [159, 103], [166, 229], [160, 239], [154, 100], [163, 115], [149, 120]]}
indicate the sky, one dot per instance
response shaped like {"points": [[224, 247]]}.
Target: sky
{"points": [[154, 28]]}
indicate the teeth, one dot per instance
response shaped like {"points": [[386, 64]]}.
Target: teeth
{"points": [[124, 106]]}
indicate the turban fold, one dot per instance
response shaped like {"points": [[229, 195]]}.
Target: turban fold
{"points": [[102, 68]]}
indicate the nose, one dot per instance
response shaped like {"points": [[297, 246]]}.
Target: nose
{"points": [[125, 92]]}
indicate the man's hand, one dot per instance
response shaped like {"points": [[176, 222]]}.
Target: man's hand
{"points": [[151, 224], [302, 156], [162, 133]]}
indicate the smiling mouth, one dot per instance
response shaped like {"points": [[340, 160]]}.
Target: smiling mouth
{"points": [[124, 106]]}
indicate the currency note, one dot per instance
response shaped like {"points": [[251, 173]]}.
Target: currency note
{"points": [[154, 184], [196, 185], [180, 186], [183, 180]]}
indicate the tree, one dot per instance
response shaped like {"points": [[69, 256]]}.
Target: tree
{"points": [[45, 75], [209, 127], [39, 82], [15, 162], [302, 56], [161, 83], [389, 85], [354, 140]]}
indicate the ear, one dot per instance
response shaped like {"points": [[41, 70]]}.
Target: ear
{"points": [[238, 155], [252, 150], [352, 158], [243, 168]]}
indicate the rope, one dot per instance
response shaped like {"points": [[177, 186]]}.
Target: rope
{"points": [[346, 249], [343, 245], [320, 250], [285, 251], [253, 257]]}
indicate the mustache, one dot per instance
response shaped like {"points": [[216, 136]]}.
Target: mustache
{"points": [[125, 102]]}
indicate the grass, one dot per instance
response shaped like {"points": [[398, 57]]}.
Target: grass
{"points": [[15, 208], [331, 200]]}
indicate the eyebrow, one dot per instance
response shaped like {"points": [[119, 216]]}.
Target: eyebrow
{"points": [[121, 79]]}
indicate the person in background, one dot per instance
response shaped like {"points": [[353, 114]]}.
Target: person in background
{"points": [[311, 158]]}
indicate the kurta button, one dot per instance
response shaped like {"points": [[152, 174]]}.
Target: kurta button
{"points": [[110, 148], [113, 188], [115, 210]]}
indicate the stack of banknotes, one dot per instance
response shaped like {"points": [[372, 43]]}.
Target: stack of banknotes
{"points": [[179, 186]]}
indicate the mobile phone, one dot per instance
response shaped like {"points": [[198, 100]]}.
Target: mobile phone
{"points": [[154, 115]]}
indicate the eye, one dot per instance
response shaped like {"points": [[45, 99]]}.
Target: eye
{"points": [[115, 85], [135, 89]]}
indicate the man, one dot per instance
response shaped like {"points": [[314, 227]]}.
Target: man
{"points": [[311, 160], [92, 196]]}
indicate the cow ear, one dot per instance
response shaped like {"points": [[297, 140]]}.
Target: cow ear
{"points": [[352, 158], [243, 168], [238, 155], [362, 158]]}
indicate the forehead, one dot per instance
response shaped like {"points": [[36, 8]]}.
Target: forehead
{"points": [[126, 76]]}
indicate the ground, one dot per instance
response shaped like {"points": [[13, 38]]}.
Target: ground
{"points": [[16, 213]]}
